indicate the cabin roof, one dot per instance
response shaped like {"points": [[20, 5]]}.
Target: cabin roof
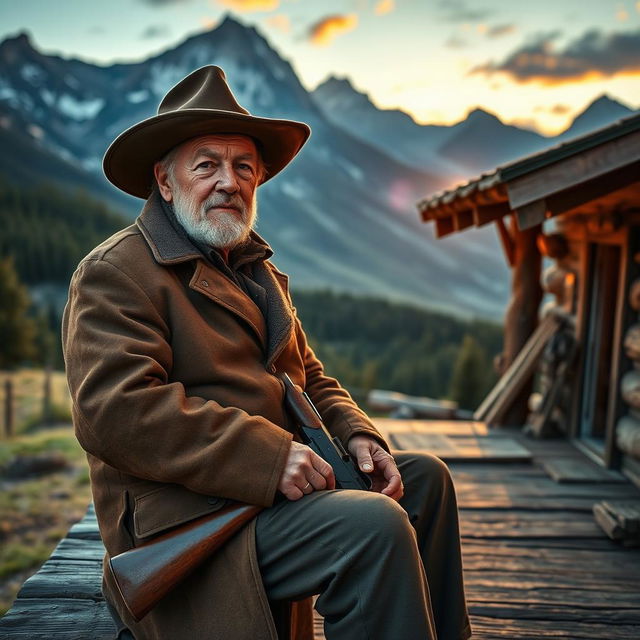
{"points": [[525, 185]]}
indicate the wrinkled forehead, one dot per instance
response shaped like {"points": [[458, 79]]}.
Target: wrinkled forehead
{"points": [[222, 142]]}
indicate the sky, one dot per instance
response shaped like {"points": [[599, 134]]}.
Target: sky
{"points": [[535, 64]]}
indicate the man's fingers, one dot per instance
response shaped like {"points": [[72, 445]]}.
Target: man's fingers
{"points": [[365, 462], [325, 470], [316, 481], [293, 493], [394, 488]]}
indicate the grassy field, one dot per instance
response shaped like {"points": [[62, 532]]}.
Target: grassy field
{"points": [[37, 511]]}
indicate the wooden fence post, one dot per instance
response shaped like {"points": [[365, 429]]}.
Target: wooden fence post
{"points": [[46, 397], [8, 408]]}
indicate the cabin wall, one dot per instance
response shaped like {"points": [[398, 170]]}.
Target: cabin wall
{"points": [[593, 278]]}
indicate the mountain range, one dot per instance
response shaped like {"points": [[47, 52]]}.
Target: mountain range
{"points": [[474, 145], [341, 216]]}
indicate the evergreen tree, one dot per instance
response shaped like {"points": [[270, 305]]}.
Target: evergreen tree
{"points": [[17, 330], [469, 380]]}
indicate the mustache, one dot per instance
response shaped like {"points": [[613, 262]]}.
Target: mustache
{"points": [[223, 200]]}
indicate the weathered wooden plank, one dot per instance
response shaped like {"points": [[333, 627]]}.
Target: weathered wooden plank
{"points": [[495, 628], [576, 470], [521, 581], [65, 579], [533, 629], [60, 619], [500, 398], [543, 489], [498, 473], [567, 544], [486, 449], [523, 524], [84, 530], [595, 563], [573, 599], [451, 428], [507, 503], [78, 549], [627, 513], [571, 614]]}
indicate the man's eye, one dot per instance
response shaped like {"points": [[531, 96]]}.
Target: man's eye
{"points": [[207, 164], [245, 167]]}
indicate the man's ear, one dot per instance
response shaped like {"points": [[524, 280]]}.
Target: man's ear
{"points": [[162, 178]]}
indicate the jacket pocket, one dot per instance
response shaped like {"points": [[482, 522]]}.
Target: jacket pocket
{"points": [[170, 506]]}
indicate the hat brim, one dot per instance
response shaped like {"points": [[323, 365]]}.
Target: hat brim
{"points": [[128, 162]]}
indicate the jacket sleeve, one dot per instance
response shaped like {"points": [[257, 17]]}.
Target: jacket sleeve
{"points": [[129, 413], [340, 413]]}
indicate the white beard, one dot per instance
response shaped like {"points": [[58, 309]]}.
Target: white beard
{"points": [[229, 228]]}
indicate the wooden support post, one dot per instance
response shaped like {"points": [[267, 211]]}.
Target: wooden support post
{"points": [[8, 408], [507, 242], [522, 313]]}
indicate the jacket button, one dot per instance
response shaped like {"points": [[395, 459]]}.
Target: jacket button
{"points": [[272, 368], [204, 283]]}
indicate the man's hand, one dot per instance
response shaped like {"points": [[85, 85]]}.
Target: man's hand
{"points": [[304, 472], [380, 465]]}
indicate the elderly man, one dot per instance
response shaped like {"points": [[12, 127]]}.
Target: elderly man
{"points": [[176, 333]]}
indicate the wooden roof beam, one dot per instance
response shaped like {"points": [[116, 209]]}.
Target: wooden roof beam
{"points": [[572, 171], [485, 213], [529, 215], [535, 212], [444, 226], [463, 219]]}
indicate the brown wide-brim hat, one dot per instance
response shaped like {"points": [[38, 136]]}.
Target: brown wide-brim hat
{"points": [[200, 104]]}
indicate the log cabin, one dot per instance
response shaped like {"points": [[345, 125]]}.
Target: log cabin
{"points": [[569, 222]]}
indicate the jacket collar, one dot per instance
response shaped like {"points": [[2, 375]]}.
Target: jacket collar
{"points": [[170, 245]]}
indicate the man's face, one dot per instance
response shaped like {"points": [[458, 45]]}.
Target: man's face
{"points": [[212, 184]]}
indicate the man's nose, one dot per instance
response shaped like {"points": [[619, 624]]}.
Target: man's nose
{"points": [[227, 179]]}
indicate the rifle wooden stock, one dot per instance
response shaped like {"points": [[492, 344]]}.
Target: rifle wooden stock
{"points": [[144, 575]]}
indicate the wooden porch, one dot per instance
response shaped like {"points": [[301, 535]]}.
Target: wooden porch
{"points": [[536, 563]]}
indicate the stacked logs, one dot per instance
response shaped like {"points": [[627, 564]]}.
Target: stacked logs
{"points": [[628, 427], [549, 406]]}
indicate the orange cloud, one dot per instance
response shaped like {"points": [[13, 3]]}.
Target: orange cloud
{"points": [[281, 22], [384, 6], [592, 56], [323, 32], [250, 5]]}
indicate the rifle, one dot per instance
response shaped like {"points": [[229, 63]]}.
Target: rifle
{"points": [[145, 574]]}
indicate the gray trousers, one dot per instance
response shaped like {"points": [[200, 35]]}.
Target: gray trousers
{"points": [[383, 570]]}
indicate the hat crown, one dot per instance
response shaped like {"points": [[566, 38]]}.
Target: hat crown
{"points": [[205, 88]]}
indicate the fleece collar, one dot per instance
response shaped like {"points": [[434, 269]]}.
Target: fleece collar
{"points": [[171, 245]]}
